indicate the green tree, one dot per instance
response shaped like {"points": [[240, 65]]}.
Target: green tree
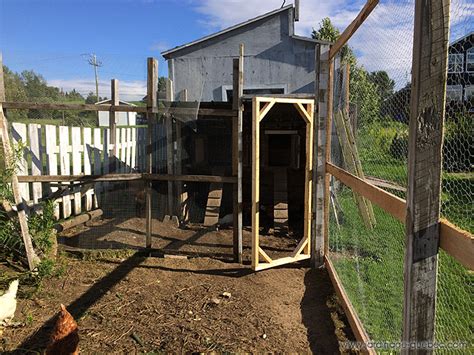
{"points": [[161, 84], [385, 85]]}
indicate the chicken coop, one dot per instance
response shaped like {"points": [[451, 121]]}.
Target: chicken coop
{"points": [[201, 178]]}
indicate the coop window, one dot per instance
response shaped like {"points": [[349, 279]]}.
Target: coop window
{"points": [[469, 92], [455, 63], [470, 60], [454, 92]]}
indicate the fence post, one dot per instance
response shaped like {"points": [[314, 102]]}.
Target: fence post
{"points": [[152, 106], [170, 148], [31, 256], [114, 101], [321, 112], [427, 110], [237, 126]]}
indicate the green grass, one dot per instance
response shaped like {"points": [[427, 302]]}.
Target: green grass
{"points": [[370, 265]]}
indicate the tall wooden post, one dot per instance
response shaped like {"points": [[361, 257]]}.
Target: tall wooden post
{"points": [[181, 196], [152, 107], [427, 110], [319, 170], [169, 148], [115, 101], [31, 256], [237, 128]]}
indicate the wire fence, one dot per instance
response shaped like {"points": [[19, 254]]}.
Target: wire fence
{"points": [[372, 90]]}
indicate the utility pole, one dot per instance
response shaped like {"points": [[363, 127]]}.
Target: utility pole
{"points": [[95, 63]]}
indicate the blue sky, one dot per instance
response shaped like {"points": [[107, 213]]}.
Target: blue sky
{"points": [[53, 37]]}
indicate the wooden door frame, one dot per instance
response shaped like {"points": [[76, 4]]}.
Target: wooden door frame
{"points": [[305, 108]]}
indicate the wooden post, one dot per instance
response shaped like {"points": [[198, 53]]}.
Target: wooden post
{"points": [[181, 210], [169, 148], [427, 110], [327, 152], [115, 101], [255, 181], [152, 107], [31, 256], [237, 128], [319, 170]]}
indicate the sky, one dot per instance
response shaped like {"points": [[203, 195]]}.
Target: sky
{"points": [[56, 37]]}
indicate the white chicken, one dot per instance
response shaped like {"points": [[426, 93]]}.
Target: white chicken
{"points": [[8, 303]]}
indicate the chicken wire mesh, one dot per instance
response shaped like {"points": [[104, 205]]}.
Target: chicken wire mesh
{"points": [[57, 142], [372, 88], [455, 291]]}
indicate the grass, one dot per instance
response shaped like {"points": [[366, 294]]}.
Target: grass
{"points": [[370, 262], [370, 265]]}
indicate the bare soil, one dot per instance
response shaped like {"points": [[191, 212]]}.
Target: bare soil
{"points": [[138, 304]]}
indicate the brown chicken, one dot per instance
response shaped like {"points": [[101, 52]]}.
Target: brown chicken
{"points": [[65, 338]]}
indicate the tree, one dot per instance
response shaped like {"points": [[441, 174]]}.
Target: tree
{"points": [[161, 84], [328, 32], [385, 85]]}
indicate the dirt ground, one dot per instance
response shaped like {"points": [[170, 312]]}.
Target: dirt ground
{"points": [[137, 304]]}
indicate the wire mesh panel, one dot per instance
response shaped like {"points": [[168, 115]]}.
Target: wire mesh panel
{"points": [[455, 292], [369, 263], [372, 89]]}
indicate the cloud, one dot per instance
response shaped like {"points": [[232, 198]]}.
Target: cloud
{"points": [[128, 90]]}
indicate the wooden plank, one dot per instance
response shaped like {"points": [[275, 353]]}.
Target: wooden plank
{"points": [[354, 321], [237, 151], [36, 149], [20, 138], [327, 152], [98, 154], [152, 104], [281, 261], [75, 107], [134, 164], [390, 203], [352, 28], [169, 149], [308, 191], [350, 155], [265, 256], [255, 181], [213, 205], [123, 150], [113, 149], [76, 165], [87, 143], [181, 196], [128, 177], [319, 171], [218, 112], [52, 159], [32, 258], [427, 111], [64, 166], [458, 243]]}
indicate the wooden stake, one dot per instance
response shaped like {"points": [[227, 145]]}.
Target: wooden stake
{"points": [[428, 94], [237, 129], [33, 259], [113, 125], [152, 106]]}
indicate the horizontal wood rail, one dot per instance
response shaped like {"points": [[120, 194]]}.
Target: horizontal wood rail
{"points": [[354, 321], [350, 30], [126, 177], [456, 242], [120, 108]]}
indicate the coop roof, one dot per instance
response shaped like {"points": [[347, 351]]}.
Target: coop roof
{"points": [[462, 38], [235, 27]]}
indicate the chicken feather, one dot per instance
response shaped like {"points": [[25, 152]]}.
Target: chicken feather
{"points": [[8, 303]]}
